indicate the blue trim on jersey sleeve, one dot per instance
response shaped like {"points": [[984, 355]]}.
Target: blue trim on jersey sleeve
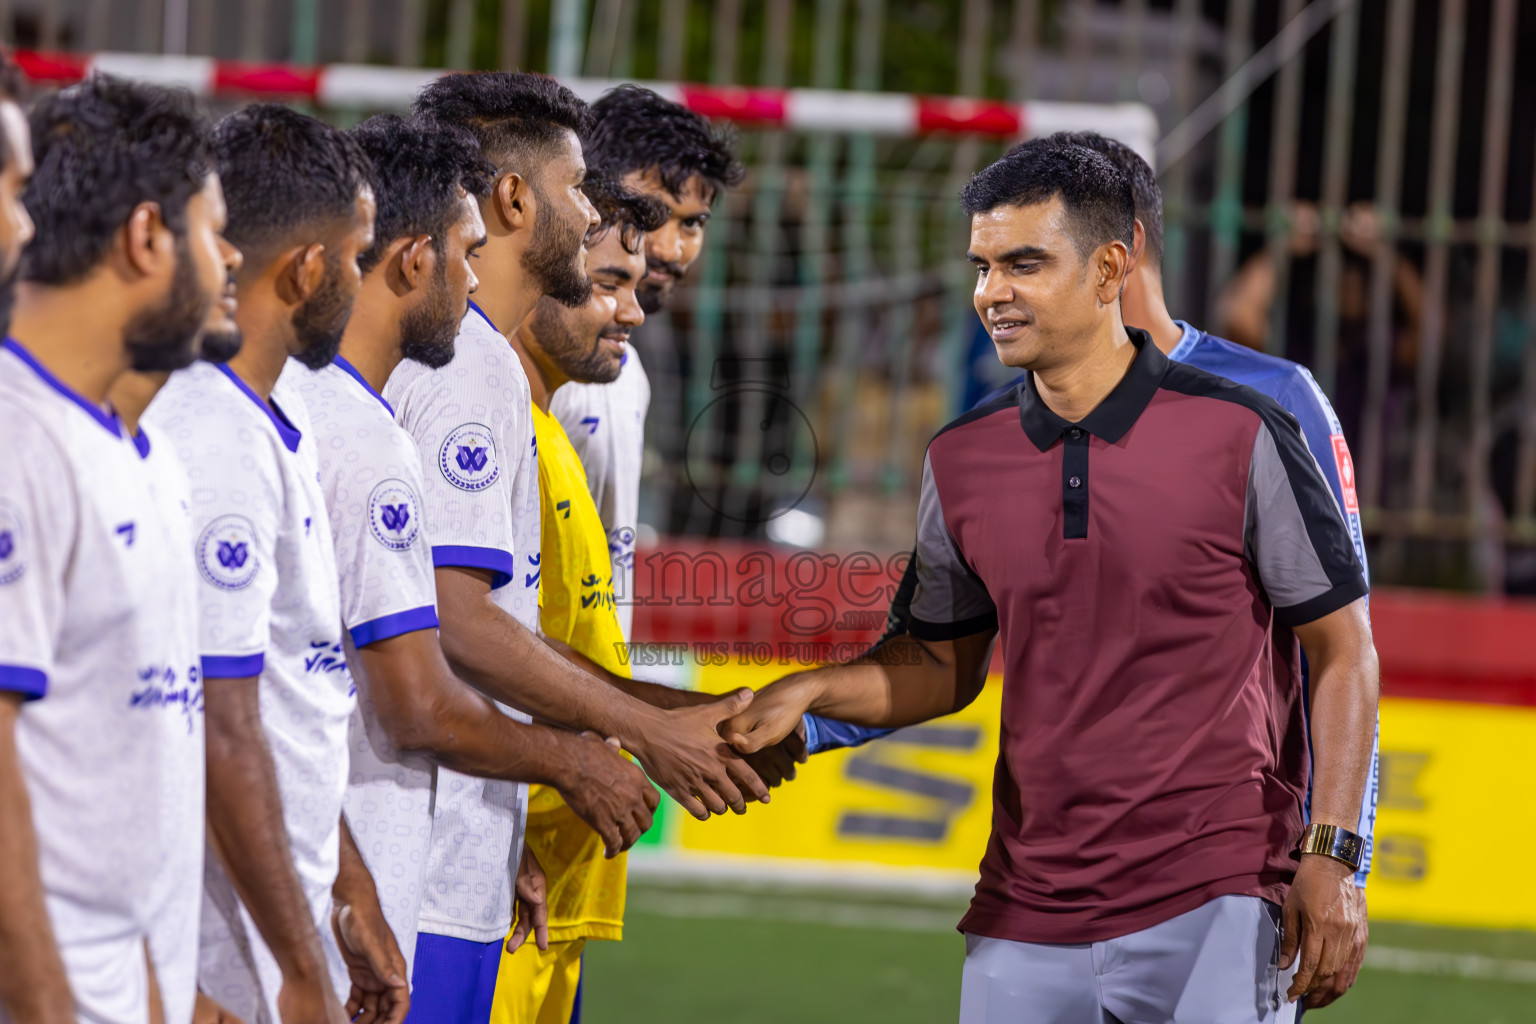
{"points": [[106, 417], [829, 734], [395, 624], [31, 683], [280, 421], [351, 371], [501, 564], [236, 666]]}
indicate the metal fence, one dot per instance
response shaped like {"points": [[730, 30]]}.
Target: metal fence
{"points": [[1348, 183]]}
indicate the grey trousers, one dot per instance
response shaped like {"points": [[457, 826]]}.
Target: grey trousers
{"points": [[1217, 964]]}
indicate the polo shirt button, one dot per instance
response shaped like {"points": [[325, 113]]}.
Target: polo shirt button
{"points": [[1076, 481], [1075, 433]]}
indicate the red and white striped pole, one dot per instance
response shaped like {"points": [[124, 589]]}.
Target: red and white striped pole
{"points": [[371, 87]]}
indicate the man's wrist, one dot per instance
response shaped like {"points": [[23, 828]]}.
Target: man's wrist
{"points": [[302, 963], [809, 691], [1328, 865]]}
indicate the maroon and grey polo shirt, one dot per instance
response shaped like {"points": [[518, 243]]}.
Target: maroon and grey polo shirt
{"points": [[1142, 567]]}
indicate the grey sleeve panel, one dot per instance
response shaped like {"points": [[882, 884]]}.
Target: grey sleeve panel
{"points": [[949, 600], [1294, 533]]}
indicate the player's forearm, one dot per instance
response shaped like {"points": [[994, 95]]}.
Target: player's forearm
{"points": [[428, 712], [509, 663], [247, 831], [654, 694], [1344, 691], [901, 682], [33, 984]]}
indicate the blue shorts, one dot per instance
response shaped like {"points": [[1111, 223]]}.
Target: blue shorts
{"points": [[453, 981]]}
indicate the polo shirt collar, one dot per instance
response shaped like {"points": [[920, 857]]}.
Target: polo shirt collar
{"points": [[1115, 415]]}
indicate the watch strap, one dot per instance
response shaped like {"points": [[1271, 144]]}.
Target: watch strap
{"points": [[1332, 841]]}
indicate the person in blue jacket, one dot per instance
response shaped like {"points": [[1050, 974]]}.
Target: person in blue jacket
{"points": [[1286, 382]]}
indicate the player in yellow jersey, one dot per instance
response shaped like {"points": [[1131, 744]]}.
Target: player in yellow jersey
{"points": [[585, 892]]}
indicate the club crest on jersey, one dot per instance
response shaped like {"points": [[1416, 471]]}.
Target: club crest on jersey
{"points": [[392, 514], [468, 458], [13, 563], [226, 553]]}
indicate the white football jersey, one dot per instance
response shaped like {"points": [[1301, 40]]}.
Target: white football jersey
{"points": [[178, 897], [87, 582], [606, 425], [371, 477], [269, 607], [472, 424]]}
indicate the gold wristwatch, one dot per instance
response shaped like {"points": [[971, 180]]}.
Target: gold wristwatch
{"points": [[1332, 841]]}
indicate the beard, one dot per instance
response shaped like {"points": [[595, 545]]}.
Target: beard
{"points": [[321, 321], [580, 359], [427, 332], [222, 345], [553, 258], [165, 337]]}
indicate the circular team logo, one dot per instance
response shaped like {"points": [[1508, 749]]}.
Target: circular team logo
{"points": [[468, 458], [226, 552], [392, 514], [13, 563]]}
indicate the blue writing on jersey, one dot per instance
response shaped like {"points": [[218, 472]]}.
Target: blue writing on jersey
{"points": [[161, 686]]}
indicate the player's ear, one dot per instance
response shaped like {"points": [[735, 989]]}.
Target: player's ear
{"points": [[417, 260], [147, 242], [511, 201], [1107, 269], [1138, 245], [302, 274]]}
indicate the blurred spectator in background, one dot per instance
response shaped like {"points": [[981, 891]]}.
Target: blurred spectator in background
{"points": [[1244, 312]]}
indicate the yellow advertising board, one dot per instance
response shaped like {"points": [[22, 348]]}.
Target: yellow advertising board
{"points": [[1455, 835]]}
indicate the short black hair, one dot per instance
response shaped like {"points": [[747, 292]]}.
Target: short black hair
{"points": [[515, 115], [1144, 187], [632, 212], [418, 169], [636, 130], [1097, 196], [102, 147], [283, 170]]}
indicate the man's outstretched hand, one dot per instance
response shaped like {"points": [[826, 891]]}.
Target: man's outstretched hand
{"points": [[776, 713], [683, 753], [775, 765]]}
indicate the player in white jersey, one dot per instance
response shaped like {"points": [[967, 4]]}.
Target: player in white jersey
{"points": [[126, 264], [176, 905], [413, 714], [471, 421], [668, 153], [665, 151], [277, 693]]}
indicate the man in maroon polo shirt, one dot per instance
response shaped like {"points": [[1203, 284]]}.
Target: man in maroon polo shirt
{"points": [[1149, 542]]}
